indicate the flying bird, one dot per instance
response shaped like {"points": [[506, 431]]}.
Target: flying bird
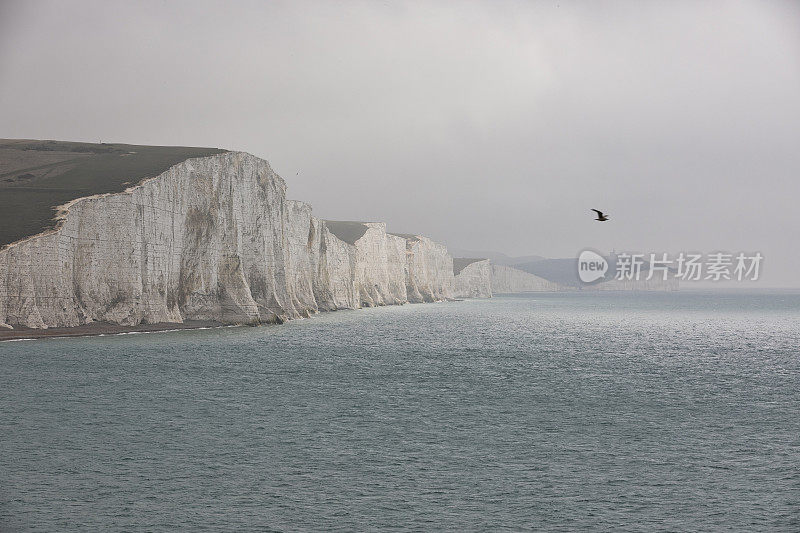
{"points": [[600, 216]]}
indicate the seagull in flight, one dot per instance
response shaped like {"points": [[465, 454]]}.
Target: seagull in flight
{"points": [[600, 216]]}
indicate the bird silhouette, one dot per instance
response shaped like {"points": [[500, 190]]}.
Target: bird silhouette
{"points": [[600, 216]]}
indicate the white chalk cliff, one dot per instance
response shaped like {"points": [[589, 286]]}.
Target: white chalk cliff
{"points": [[507, 280], [474, 279], [213, 239]]}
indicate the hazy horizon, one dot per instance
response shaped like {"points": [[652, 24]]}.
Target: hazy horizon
{"points": [[487, 126]]}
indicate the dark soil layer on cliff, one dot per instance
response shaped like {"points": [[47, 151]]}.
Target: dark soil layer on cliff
{"points": [[37, 176], [100, 328]]}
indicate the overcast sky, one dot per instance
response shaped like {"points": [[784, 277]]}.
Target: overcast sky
{"points": [[484, 125]]}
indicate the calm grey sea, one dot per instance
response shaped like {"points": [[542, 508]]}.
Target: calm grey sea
{"points": [[561, 412]]}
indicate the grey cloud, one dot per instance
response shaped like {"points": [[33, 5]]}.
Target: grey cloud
{"points": [[486, 125]]}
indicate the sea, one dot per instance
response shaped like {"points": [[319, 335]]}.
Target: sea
{"points": [[582, 411]]}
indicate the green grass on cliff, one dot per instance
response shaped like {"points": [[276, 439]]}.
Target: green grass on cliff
{"points": [[460, 263], [347, 230], [36, 176]]}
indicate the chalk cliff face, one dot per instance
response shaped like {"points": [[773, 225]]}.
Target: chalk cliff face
{"points": [[511, 280], [321, 264], [429, 270], [474, 280], [380, 267], [210, 239]]}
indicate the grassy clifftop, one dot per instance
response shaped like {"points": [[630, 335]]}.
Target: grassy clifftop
{"points": [[347, 230], [460, 263], [36, 176]]}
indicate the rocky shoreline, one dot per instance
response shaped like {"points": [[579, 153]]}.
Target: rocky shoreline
{"points": [[99, 328]]}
